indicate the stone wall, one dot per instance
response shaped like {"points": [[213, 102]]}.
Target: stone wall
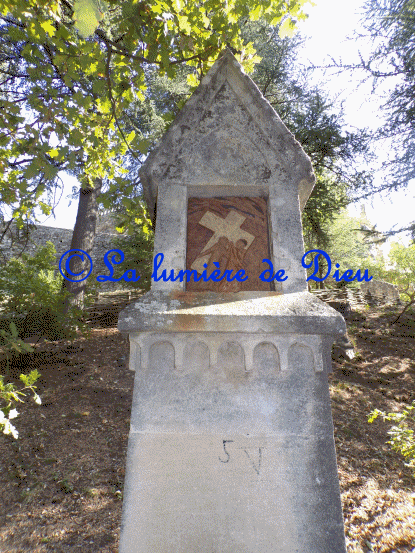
{"points": [[375, 292], [15, 241]]}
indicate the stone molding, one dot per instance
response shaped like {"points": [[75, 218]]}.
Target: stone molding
{"points": [[184, 345], [247, 312]]}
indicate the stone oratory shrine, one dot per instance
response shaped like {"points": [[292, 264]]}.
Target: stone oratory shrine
{"points": [[231, 445]]}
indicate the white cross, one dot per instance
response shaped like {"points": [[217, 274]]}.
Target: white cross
{"points": [[228, 227]]}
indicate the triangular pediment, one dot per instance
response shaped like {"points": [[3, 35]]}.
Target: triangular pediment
{"points": [[226, 136], [218, 150]]}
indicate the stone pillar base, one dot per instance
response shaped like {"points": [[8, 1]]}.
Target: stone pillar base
{"points": [[231, 447]]}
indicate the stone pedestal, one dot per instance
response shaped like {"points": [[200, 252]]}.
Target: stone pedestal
{"points": [[231, 447]]}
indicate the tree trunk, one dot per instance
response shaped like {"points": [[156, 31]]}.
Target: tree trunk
{"points": [[321, 284], [82, 239]]}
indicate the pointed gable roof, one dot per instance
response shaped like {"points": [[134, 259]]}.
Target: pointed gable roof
{"points": [[228, 136]]}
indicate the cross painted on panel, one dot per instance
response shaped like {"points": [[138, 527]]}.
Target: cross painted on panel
{"points": [[228, 228]]}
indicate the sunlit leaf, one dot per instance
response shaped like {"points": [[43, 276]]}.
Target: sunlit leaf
{"points": [[87, 15], [287, 29], [48, 27]]}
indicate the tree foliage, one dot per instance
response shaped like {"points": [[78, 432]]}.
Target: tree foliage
{"points": [[315, 120], [317, 123], [11, 344], [348, 243], [402, 272], [137, 246], [390, 25], [70, 69]]}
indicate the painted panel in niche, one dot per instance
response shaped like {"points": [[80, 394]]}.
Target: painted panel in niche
{"points": [[233, 232]]}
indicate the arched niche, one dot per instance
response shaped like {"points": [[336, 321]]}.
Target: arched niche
{"points": [[266, 360], [161, 356], [196, 356]]}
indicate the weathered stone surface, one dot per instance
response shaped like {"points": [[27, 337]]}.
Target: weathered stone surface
{"points": [[229, 141], [231, 445], [222, 459], [343, 349], [228, 137], [239, 312], [379, 291]]}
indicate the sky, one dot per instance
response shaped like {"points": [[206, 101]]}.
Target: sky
{"points": [[328, 27]]}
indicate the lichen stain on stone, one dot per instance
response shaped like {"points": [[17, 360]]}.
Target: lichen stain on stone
{"points": [[183, 323], [185, 297]]}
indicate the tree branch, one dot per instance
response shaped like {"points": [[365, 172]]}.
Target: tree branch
{"points": [[55, 67], [111, 97]]}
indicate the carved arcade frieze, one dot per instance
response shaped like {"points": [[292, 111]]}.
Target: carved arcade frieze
{"points": [[254, 354]]}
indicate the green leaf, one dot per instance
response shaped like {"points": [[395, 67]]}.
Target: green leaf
{"points": [[46, 209], [48, 27], [87, 16], [34, 375], [130, 137], [50, 171], [13, 330], [32, 170], [99, 86], [287, 29], [374, 415], [184, 24], [76, 137], [106, 202], [192, 79], [143, 146], [104, 105], [256, 13]]}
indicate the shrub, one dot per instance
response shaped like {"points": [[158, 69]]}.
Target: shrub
{"points": [[32, 297], [138, 249], [401, 434], [10, 396], [10, 344]]}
